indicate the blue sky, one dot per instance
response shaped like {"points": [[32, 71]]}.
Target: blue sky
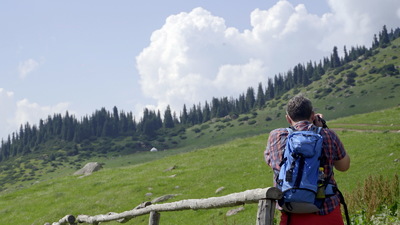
{"points": [[83, 55]]}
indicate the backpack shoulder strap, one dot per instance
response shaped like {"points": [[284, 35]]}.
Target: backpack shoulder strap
{"points": [[319, 130], [316, 129], [290, 130]]}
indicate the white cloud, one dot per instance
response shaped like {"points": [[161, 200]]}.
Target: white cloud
{"points": [[195, 56], [15, 113], [26, 67], [7, 108], [355, 22], [33, 112]]}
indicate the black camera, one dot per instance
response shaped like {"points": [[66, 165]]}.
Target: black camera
{"points": [[322, 121]]}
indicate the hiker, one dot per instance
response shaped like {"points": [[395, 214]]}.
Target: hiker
{"points": [[301, 117]]}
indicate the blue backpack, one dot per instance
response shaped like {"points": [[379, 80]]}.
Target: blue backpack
{"points": [[300, 172]]}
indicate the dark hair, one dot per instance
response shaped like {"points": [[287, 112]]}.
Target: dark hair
{"points": [[299, 108]]}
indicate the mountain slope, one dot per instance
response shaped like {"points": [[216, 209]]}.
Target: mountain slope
{"points": [[367, 84], [237, 165]]}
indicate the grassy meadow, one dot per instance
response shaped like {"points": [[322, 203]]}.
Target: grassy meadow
{"points": [[225, 152], [237, 165]]}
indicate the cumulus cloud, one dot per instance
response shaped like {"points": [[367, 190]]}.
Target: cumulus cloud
{"points": [[194, 56], [15, 113], [7, 108], [26, 67]]}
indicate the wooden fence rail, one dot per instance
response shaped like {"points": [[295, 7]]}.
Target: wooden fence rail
{"points": [[265, 197]]}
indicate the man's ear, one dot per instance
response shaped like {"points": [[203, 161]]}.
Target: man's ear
{"points": [[288, 119], [312, 117]]}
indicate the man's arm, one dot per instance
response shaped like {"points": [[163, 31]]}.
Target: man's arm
{"points": [[343, 164]]}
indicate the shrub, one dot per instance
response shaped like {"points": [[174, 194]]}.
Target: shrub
{"points": [[196, 130], [373, 70], [338, 70], [245, 118], [251, 122], [226, 119], [350, 78], [219, 127], [338, 80], [329, 107], [389, 69], [205, 126], [376, 194]]}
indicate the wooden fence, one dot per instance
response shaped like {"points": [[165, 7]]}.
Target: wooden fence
{"points": [[265, 197]]}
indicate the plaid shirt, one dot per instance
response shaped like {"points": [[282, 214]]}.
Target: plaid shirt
{"points": [[332, 148]]}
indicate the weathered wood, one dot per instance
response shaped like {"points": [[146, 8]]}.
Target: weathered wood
{"points": [[66, 220], [154, 218], [265, 213], [249, 196]]}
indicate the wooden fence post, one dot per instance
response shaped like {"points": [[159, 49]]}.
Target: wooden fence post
{"points": [[154, 218], [265, 197], [265, 212]]}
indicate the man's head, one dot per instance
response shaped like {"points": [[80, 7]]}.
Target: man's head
{"points": [[299, 108]]}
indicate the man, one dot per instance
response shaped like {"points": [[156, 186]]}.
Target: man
{"points": [[300, 116]]}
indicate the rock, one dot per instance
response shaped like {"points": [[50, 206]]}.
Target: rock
{"points": [[234, 211], [219, 190], [89, 168], [163, 198], [170, 168]]}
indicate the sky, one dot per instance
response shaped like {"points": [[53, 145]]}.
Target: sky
{"points": [[80, 56]]}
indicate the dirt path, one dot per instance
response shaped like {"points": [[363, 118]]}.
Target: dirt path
{"points": [[363, 124], [369, 130], [369, 127]]}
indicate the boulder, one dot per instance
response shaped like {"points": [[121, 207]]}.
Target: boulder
{"points": [[219, 190], [234, 211], [163, 198], [89, 168]]}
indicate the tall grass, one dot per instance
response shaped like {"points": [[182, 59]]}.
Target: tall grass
{"points": [[377, 200]]}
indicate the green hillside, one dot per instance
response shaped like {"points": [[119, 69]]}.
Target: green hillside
{"points": [[237, 165], [364, 85], [359, 99]]}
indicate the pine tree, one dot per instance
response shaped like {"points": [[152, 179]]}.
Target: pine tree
{"points": [[384, 38], [168, 121], [260, 96], [241, 104], [199, 114], [184, 116], [375, 42], [214, 107], [269, 93], [206, 112], [250, 99], [346, 58], [115, 122], [335, 60]]}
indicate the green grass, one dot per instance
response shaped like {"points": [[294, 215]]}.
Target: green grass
{"points": [[237, 165], [218, 153]]}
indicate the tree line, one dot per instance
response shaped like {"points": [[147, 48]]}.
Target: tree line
{"points": [[103, 123]]}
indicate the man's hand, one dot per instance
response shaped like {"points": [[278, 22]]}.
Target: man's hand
{"points": [[318, 121]]}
